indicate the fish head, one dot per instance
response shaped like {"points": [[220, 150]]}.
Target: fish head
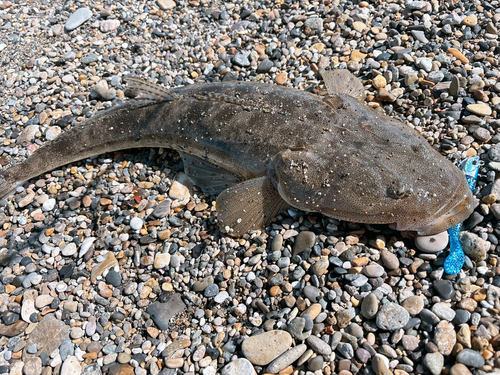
{"points": [[370, 168]]}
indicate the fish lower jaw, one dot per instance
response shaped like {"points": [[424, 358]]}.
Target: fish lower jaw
{"points": [[456, 215]]}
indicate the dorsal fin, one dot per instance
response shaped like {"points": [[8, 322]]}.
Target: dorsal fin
{"points": [[341, 81], [148, 90]]}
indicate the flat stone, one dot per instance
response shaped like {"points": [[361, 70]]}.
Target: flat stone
{"points": [[262, 349], [240, 366], [470, 358], [343, 318], [162, 209], [494, 154], [470, 21], [297, 328], [319, 346], [432, 244], [48, 334], [79, 17], [162, 312], [482, 134], [479, 109], [104, 92], [286, 359], [391, 317], [434, 362], [265, 66], [444, 311], [373, 270]]}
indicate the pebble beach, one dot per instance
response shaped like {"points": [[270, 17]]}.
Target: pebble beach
{"points": [[116, 265]]}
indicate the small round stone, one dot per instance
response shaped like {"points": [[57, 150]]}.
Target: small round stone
{"points": [[369, 306], [373, 270], [413, 304], [432, 244], [136, 223], [315, 363]]}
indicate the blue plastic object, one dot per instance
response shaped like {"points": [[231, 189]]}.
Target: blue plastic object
{"points": [[455, 260]]}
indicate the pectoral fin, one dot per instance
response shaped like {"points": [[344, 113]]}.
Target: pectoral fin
{"points": [[147, 90], [207, 176], [249, 205], [341, 81]]}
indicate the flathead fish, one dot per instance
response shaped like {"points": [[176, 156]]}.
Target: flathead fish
{"points": [[263, 148]]}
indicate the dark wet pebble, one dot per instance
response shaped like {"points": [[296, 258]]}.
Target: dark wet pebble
{"points": [[264, 66], [461, 316], [113, 278], [10, 317], [444, 288]]}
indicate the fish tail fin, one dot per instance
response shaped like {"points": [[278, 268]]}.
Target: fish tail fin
{"points": [[148, 90], [8, 182]]}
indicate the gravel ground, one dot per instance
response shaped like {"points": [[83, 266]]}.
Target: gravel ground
{"points": [[115, 264]]}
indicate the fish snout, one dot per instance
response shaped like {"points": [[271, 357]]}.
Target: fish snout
{"points": [[452, 216]]}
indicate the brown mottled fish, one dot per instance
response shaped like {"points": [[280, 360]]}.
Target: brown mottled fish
{"points": [[264, 148]]}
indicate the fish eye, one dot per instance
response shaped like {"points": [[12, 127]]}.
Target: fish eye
{"points": [[398, 190]]}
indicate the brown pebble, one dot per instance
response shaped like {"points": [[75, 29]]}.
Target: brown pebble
{"points": [[275, 290], [281, 78]]}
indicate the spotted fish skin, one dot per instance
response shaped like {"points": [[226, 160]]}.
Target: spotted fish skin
{"points": [[328, 154]]}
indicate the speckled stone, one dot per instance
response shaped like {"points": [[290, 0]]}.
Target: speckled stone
{"points": [[240, 366], [391, 316], [262, 349], [445, 337], [79, 17]]}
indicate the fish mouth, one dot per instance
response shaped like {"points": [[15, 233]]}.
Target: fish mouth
{"points": [[452, 216]]}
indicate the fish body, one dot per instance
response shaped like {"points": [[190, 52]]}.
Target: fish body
{"points": [[264, 148]]}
